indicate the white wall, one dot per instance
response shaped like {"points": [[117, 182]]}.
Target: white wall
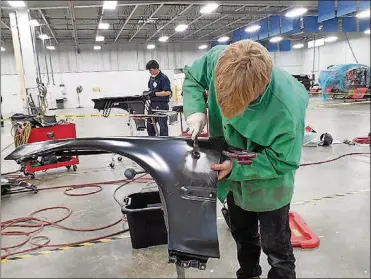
{"points": [[119, 69]]}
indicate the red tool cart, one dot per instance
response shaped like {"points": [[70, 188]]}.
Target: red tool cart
{"points": [[65, 130]]}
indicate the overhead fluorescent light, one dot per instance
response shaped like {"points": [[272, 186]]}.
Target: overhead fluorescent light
{"points": [[276, 39], [109, 5], [181, 28], [363, 14], [34, 22], [298, 46], [50, 47], [209, 8], [3, 49], [223, 39], [151, 46], [367, 31], [296, 12], [252, 28], [316, 43], [202, 47], [17, 4], [99, 38], [97, 47], [103, 25], [331, 39], [43, 37], [163, 38]]}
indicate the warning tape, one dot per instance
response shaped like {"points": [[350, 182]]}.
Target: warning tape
{"points": [[97, 115], [65, 248], [92, 115], [337, 105], [126, 236]]}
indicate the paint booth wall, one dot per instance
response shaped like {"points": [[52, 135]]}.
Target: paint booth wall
{"points": [[336, 53]]}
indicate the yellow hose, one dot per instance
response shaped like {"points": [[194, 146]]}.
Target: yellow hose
{"points": [[21, 133]]}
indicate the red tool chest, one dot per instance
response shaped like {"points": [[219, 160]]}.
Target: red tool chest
{"points": [[60, 131]]}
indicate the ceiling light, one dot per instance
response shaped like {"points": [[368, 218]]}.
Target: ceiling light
{"points": [[296, 12], [331, 39], [209, 8], [223, 39], [363, 14], [151, 46], [109, 5], [252, 28], [50, 47], [34, 22], [17, 4], [103, 25], [163, 38], [3, 49], [99, 38], [298, 46], [181, 28], [367, 31], [202, 47], [276, 39], [43, 37], [97, 47]]}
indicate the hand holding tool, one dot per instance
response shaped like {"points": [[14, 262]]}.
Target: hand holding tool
{"points": [[196, 123], [243, 157]]}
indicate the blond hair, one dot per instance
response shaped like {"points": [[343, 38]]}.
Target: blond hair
{"points": [[242, 73]]}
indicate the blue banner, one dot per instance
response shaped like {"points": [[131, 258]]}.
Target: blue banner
{"points": [[346, 7], [326, 10], [274, 25], [349, 24], [331, 25]]}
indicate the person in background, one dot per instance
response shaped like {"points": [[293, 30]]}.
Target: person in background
{"points": [[159, 85], [259, 108]]}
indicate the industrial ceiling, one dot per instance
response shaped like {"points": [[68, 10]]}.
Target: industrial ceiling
{"points": [[76, 22]]}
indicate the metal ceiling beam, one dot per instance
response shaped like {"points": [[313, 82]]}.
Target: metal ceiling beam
{"points": [[126, 22], [71, 11], [48, 25], [246, 24], [170, 21], [207, 25], [193, 21], [144, 24], [189, 2], [3, 23], [233, 22], [99, 21]]}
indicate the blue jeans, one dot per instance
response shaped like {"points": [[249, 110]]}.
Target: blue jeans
{"points": [[162, 121]]}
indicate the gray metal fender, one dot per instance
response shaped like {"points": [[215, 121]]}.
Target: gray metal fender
{"points": [[188, 185]]}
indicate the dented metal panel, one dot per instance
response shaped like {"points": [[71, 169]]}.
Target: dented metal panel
{"points": [[188, 185]]}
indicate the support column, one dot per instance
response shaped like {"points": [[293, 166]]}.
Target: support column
{"points": [[18, 61], [25, 56]]}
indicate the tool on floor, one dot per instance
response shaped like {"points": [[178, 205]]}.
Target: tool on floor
{"points": [[11, 185]]}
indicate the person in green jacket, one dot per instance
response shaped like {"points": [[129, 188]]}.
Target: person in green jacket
{"points": [[259, 108]]}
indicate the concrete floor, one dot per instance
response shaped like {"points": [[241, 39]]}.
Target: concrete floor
{"points": [[343, 223]]}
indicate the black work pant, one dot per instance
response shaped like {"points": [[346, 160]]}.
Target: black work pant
{"points": [[274, 239], [162, 121]]}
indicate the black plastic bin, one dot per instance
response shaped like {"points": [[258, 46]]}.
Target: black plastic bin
{"points": [[146, 219]]}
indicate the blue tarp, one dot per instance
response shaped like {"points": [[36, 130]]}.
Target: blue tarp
{"points": [[337, 76]]}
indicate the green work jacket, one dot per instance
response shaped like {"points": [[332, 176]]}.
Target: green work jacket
{"points": [[273, 126]]}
